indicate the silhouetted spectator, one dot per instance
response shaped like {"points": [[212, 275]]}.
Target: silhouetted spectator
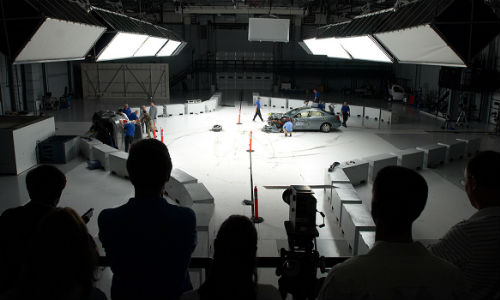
{"points": [[396, 267], [473, 245], [63, 260], [233, 274], [148, 241], [17, 225]]}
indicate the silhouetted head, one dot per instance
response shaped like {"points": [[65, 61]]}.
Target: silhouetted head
{"points": [[399, 196], [236, 241], [125, 106], [152, 103], [65, 260], [482, 179], [149, 164], [345, 102], [45, 184], [143, 108], [233, 274], [120, 111]]}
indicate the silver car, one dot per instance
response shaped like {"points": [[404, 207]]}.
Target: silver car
{"points": [[305, 118]]}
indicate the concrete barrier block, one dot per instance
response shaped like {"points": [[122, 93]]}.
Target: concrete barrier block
{"points": [[343, 193], [473, 145], [434, 155], [295, 103], [356, 218], [356, 170], [366, 241], [86, 145], [118, 163], [101, 153], [455, 149], [195, 108], [378, 162], [411, 158], [337, 176], [175, 109], [278, 102]]}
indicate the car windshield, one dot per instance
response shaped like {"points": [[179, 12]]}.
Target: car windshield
{"points": [[293, 112]]}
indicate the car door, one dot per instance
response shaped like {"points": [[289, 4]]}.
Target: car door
{"points": [[316, 118], [300, 121]]}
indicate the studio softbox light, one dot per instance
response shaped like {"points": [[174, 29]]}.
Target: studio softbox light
{"points": [[129, 37], [35, 31], [436, 32]]}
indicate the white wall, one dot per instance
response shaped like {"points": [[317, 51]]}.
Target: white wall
{"points": [[25, 141]]}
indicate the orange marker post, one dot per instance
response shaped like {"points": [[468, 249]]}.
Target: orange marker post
{"points": [[250, 144], [256, 219], [162, 135]]}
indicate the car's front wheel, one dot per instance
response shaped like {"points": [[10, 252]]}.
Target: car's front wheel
{"points": [[325, 127]]}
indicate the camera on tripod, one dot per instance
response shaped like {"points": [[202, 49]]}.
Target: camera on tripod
{"points": [[299, 264]]}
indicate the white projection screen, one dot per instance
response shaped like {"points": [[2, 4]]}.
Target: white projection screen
{"points": [[268, 30], [419, 45], [58, 40]]}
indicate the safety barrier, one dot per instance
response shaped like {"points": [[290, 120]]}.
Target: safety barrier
{"points": [[353, 217]]}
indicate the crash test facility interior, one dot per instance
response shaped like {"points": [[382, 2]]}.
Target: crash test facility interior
{"points": [[420, 96]]}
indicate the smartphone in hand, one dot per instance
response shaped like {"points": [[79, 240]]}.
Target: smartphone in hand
{"points": [[86, 216]]}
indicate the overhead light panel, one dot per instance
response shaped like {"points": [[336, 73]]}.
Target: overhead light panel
{"points": [[365, 48], [420, 45], [329, 47], [36, 31], [431, 32], [128, 37], [122, 45], [151, 46], [169, 48]]}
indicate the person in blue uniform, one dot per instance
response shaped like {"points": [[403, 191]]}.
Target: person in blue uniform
{"points": [[129, 129], [288, 127], [257, 110], [346, 113]]}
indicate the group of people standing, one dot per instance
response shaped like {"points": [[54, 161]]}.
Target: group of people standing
{"points": [[146, 120], [46, 251]]}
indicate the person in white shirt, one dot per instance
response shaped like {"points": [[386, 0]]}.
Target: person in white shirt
{"points": [[396, 267], [473, 245]]}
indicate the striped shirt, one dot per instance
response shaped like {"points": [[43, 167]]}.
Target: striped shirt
{"points": [[473, 246]]}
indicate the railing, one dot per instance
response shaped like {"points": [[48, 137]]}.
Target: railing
{"points": [[287, 66], [205, 263]]}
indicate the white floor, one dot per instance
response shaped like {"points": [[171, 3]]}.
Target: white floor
{"points": [[221, 162]]}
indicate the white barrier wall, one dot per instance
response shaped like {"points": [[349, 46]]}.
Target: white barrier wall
{"points": [[295, 103], [195, 108], [265, 101], [385, 116], [210, 105], [254, 97], [278, 102], [356, 111], [160, 111], [371, 113], [175, 109]]}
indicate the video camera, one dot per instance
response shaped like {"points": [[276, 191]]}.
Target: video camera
{"points": [[299, 265]]}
